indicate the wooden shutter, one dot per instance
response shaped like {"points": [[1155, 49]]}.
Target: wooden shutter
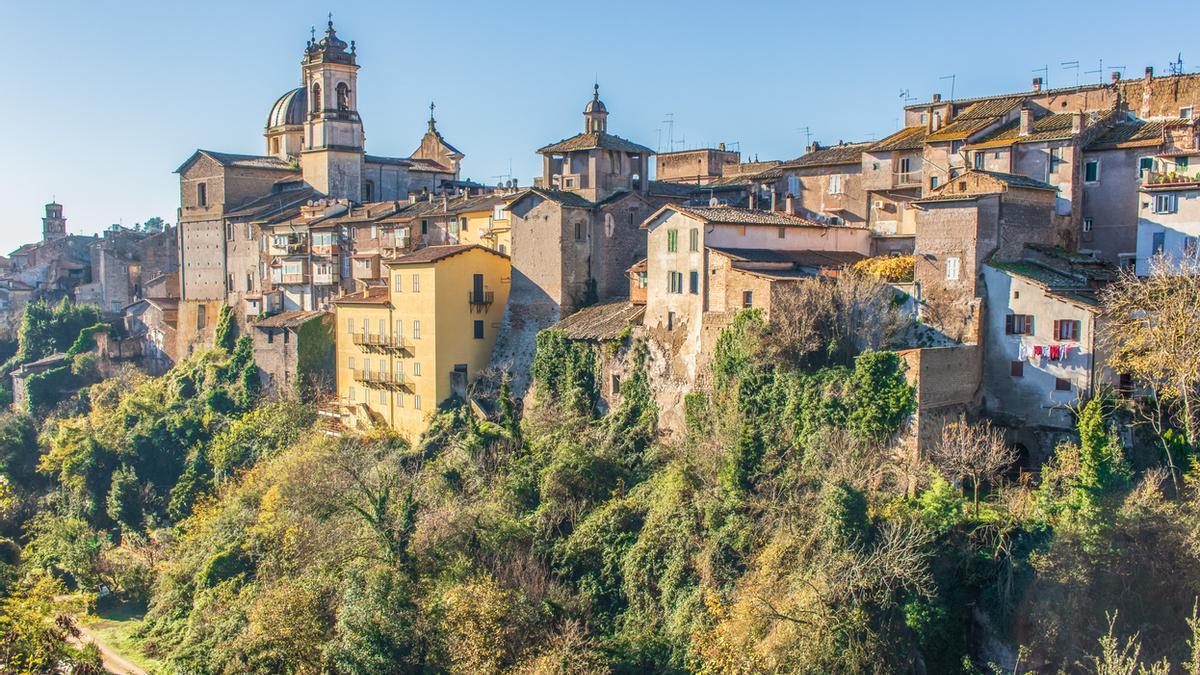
{"points": [[1057, 329], [1029, 324], [1008, 324]]}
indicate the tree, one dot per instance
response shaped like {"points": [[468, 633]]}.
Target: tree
{"points": [[124, 504], [973, 451], [1158, 348]]}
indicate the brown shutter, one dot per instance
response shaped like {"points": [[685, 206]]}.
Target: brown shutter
{"points": [[1008, 324], [1029, 324], [1057, 329]]}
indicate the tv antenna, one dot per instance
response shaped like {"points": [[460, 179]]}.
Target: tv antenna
{"points": [[670, 122], [1176, 66], [906, 97], [1072, 65], [1045, 71], [807, 135], [1100, 71], [952, 79]]}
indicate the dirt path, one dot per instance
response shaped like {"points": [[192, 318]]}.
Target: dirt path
{"points": [[113, 662]]}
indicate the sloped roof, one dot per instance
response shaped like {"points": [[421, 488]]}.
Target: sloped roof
{"points": [[435, 253], [372, 295], [975, 118], [603, 322], [288, 319], [664, 188], [561, 196], [236, 160], [803, 258], [1131, 134], [595, 139], [908, 138], [729, 215], [1054, 127], [1006, 180], [273, 204], [842, 153]]}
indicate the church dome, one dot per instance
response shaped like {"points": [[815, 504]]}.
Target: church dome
{"points": [[595, 105], [291, 108]]}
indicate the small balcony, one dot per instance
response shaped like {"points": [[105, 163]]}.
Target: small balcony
{"points": [[325, 278], [377, 380], [481, 299], [381, 343], [1169, 178], [902, 179], [288, 279]]}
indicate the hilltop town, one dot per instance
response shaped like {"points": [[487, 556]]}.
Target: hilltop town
{"points": [[683, 386], [348, 269]]}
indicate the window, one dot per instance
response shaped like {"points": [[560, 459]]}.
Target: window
{"points": [[416, 286], [1091, 171], [399, 328], [382, 397], [1062, 384], [694, 240], [228, 231], [1018, 324], [399, 399], [369, 194], [794, 185], [694, 282], [1181, 163], [580, 231], [1187, 113], [424, 227], [642, 279], [933, 182], [952, 265], [835, 184], [201, 194], [316, 104], [350, 324], [747, 299], [287, 336], [1067, 330], [670, 320], [979, 157], [201, 319], [905, 163], [351, 394], [416, 368], [1056, 159], [1164, 203], [416, 331], [270, 336], [350, 363], [462, 224], [672, 241], [382, 327], [782, 233], [398, 283], [229, 283], [478, 330], [1017, 369], [1145, 165], [1157, 243], [1087, 223], [416, 401], [674, 282]]}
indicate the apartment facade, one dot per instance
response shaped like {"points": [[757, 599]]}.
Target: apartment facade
{"points": [[405, 347]]}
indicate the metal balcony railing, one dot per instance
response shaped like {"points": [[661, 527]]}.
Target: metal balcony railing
{"points": [[481, 299], [381, 342], [906, 178], [379, 380]]}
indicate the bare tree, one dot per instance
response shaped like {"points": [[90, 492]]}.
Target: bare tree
{"points": [[834, 318], [1151, 331], [974, 451]]}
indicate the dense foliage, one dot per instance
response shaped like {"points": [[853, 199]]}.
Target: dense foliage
{"points": [[783, 528]]}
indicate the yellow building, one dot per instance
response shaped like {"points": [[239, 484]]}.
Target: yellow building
{"points": [[480, 220], [403, 349]]}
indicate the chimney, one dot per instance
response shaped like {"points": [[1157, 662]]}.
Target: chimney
{"points": [[1116, 76], [1037, 84], [721, 147], [789, 204], [935, 120], [753, 194], [1026, 123], [1149, 73], [937, 98], [811, 148], [1076, 122], [772, 198]]}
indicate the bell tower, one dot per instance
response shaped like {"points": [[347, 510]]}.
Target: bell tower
{"points": [[332, 156], [54, 226]]}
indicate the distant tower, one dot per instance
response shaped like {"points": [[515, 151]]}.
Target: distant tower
{"points": [[54, 226], [595, 115], [332, 157]]}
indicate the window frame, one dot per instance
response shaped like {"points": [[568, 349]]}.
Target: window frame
{"points": [[1088, 165]]}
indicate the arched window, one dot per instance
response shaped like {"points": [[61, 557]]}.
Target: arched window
{"points": [[343, 96], [316, 98]]}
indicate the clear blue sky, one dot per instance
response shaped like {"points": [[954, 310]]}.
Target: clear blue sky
{"points": [[103, 100]]}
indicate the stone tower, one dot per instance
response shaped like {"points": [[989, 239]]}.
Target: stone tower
{"points": [[595, 115], [332, 156], [54, 226]]}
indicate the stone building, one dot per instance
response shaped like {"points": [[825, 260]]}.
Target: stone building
{"points": [[695, 167], [1168, 209], [121, 263], [1040, 330], [977, 216], [826, 183], [294, 352], [576, 232]]}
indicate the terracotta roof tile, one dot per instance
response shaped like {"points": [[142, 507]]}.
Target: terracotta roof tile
{"points": [[602, 322], [975, 118], [1055, 127], [842, 153], [435, 253], [728, 215], [908, 138], [288, 319], [601, 140], [1131, 134]]}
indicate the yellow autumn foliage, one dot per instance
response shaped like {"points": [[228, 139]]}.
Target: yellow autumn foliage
{"points": [[896, 269]]}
